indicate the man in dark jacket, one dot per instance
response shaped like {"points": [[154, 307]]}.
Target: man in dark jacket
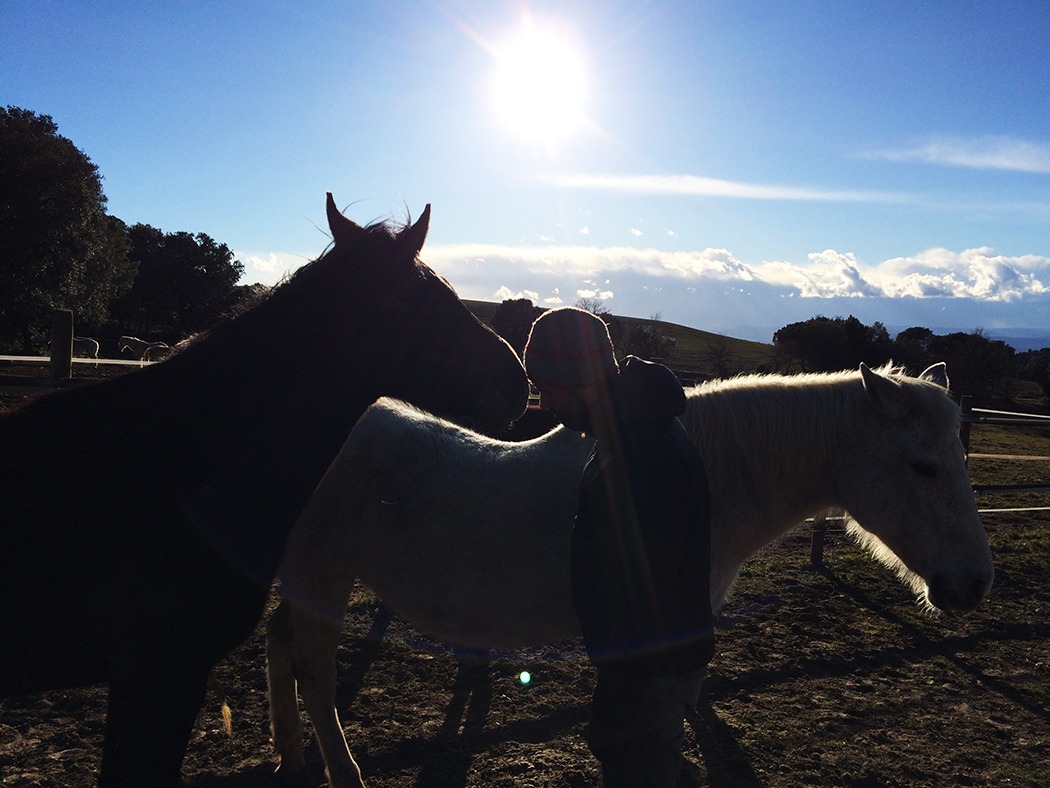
{"points": [[640, 547]]}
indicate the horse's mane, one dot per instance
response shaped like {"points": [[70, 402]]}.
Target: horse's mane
{"points": [[748, 414]]}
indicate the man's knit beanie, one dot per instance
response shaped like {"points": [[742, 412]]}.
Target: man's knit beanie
{"points": [[569, 348]]}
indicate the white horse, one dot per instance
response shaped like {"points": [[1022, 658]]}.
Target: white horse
{"points": [[157, 351], [143, 350], [467, 538], [85, 347]]}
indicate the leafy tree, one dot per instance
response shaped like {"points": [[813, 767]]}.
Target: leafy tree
{"points": [[644, 340], [1034, 365], [184, 283], [823, 344], [58, 247], [513, 319], [976, 364], [912, 349]]}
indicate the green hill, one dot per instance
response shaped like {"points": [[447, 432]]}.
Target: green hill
{"points": [[697, 355]]}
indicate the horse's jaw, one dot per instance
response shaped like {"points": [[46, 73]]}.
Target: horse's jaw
{"points": [[939, 592]]}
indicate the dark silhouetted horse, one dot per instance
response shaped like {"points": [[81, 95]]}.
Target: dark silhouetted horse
{"points": [[146, 585]]}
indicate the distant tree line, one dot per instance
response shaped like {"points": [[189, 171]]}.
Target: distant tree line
{"points": [[977, 365], [59, 248]]}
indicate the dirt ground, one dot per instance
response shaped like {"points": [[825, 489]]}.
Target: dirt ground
{"points": [[830, 677]]}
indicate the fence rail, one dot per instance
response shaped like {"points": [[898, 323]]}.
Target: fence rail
{"points": [[971, 416], [75, 360]]}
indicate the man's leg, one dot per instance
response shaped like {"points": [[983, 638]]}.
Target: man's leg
{"points": [[636, 730]]}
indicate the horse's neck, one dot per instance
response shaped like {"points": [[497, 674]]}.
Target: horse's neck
{"points": [[768, 452]]}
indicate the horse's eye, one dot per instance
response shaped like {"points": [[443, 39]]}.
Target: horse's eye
{"points": [[924, 469]]}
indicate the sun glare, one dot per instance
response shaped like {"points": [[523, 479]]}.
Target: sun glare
{"points": [[540, 85]]}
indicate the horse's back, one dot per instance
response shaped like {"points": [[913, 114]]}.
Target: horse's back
{"points": [[436, 502]]}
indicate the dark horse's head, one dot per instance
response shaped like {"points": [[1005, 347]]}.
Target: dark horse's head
{"points": [[371, 302]]}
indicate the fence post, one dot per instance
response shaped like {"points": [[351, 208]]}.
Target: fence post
{"points": [[62, 344], [966, 410], [816, 545]]}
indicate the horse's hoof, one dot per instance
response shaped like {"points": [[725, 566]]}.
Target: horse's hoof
{"points": [[292, 773]]}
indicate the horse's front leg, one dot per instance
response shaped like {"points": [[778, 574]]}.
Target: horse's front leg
{"points": [[316, 640], [151, 711], [286, 727]]}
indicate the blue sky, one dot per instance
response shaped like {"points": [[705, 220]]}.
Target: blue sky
{"points": [[733, 166]]}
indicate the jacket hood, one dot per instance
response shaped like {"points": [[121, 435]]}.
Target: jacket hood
{"points": [[649, 391]]}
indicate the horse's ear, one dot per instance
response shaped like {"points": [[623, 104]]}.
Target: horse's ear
{"points": [[344, 231], [885, 393], [414, 235], [936, 373]]}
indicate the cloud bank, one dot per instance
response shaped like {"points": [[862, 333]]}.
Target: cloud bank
{"points": [[978, 274], [713, 290]]}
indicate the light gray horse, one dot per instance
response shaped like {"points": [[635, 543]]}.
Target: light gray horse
{"points": [[467, 538], [85, 347], [143, 350]]}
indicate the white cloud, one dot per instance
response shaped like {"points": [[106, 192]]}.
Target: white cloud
{"points": [[504, 293], [697, 186], [988, 152], [973, 273], [829, 274], [269, 267]]}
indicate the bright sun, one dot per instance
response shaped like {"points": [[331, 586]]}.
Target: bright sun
{"points": [[540, 85]]}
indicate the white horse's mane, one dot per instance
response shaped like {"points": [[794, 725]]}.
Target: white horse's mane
{"points": [[752, 407]]}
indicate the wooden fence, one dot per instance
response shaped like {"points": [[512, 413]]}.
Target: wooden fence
{"points": [[60, 362]]}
